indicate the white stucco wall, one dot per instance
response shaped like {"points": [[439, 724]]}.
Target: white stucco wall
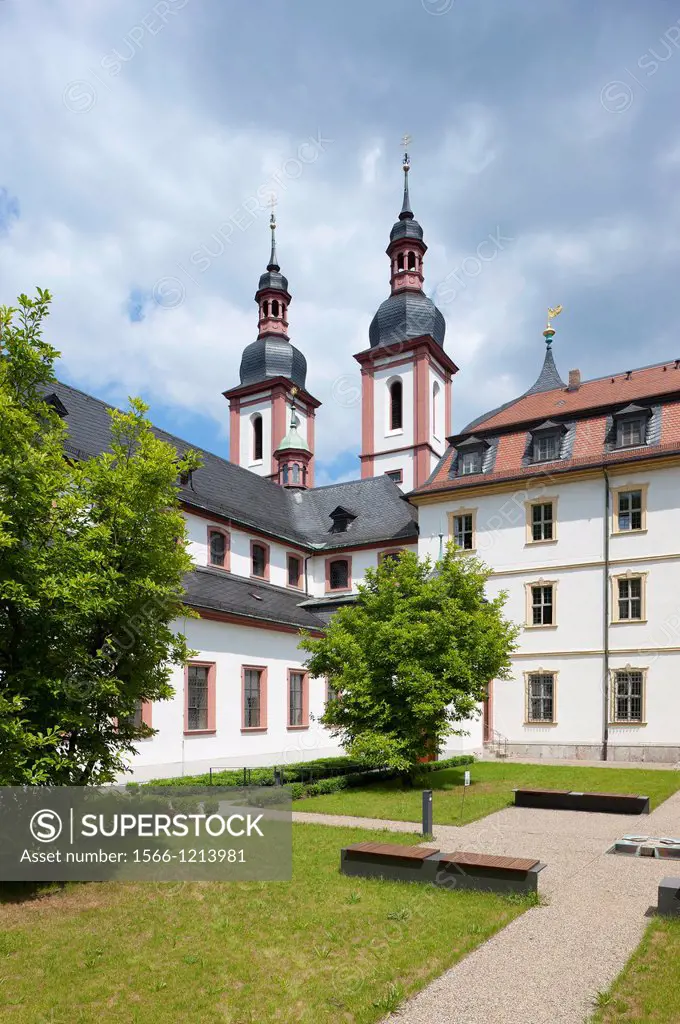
{"points": [[384, 438], [263, 407]]}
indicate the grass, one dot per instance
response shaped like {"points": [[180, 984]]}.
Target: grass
{"points": [[323, 948], [490, 790], [647, 989]]}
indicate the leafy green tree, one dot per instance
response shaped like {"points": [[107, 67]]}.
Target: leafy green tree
{"points": [[411, 659], [91, 566]]}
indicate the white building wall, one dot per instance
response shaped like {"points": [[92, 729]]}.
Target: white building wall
{"points": [[399, 460], [437, 428], [262, 467], [240, 557], [230, 646], [385, 439], [574, 648]]}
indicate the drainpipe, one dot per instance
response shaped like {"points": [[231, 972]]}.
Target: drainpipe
{"points": [[306, 580], [605, 623]]}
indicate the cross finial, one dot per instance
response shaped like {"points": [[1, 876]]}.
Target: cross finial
{"points": [[406, 141], [271, 202]]}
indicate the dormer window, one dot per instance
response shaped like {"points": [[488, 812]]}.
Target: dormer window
{"points": [[342, 519], [631, 426], [471, 456], [546, 441], [470, 462]]}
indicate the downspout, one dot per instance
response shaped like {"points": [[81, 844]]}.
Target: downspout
{"points": [[306, 579], [605, 623]]}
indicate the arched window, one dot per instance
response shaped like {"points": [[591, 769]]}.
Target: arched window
{"points": [[218, 548], [296, 473], [257, 438], [396, 405], [338, 574], [411, 261], [265, 307], [435, 409], [275, 307], [400, 261]]}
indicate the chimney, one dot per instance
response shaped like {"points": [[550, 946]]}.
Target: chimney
{"points": [[574, 380]]}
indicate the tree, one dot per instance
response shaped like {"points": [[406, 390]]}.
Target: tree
{"points": [[91, 567], [412, 658]]}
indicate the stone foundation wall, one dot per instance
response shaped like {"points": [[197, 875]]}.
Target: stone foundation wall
{"points": [[593, 752]]}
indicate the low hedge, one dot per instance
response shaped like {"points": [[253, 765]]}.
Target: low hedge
{"points": [[333, 774]]}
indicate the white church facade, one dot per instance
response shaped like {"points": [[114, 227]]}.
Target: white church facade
{"points": [[570, 493]]}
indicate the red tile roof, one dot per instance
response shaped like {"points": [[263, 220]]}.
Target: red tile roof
{"points": [[648, 382], [588, 448]]}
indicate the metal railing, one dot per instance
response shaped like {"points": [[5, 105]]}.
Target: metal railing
{"points": [[497, 743]]}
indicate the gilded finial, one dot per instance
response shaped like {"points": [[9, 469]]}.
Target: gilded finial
{"points": [[406, 141], [273, 259], [294, 390], [549, 331]]}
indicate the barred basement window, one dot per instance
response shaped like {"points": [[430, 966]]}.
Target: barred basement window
{"points": [[629, 510], [463, 531], [630, 598], [197, 697], [542, 521], [542, 605], [541, 697], [627, 696], [252, 698], [296, 698]]}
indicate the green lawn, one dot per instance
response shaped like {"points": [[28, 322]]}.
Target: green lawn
{"points": [[323, 948], [491, 789], [647, 989]]}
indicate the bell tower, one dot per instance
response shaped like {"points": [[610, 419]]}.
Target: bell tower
{"points": [[272, 371], [405, 374]]}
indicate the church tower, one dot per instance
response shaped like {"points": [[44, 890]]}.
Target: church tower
{"points": [[272, 372], [405, 374]]}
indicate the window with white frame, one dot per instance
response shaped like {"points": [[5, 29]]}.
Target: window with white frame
{"points": [[542, 521], [540, 697], [627, 696], [470, 462], [629, 598], [629, 510], [545, 448], [630, 432], [542, 604], [395, 405], [464, 531]]}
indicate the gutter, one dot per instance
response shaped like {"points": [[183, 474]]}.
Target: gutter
{"points": [[605, 622]]}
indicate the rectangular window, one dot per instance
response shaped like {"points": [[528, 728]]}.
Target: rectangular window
{"points": [[331, 692], [338, 576], [540, 697], [294, 571], [542, 605], [259, 560], [297, 699], [630, 433], [217, 542], [627, 696], [542, 521], [197, 698], [546, 449], [253, 716], [629, 510], [471, 462], [630, 598], [463, 531], [396, 474]]}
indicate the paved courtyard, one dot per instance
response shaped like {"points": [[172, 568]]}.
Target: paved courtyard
{"points": [[548, 965]]}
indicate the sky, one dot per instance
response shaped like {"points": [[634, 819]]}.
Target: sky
{"points": [[141, 140]]}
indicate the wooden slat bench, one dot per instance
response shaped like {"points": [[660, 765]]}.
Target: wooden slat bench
{"points": [[570, 800], [449, 870]]}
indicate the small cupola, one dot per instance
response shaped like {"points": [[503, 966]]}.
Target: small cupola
{"points": [[293, 455]]}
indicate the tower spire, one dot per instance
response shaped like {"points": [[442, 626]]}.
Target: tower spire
{"points": [[549, 378], [406, 211], [273, 264]]}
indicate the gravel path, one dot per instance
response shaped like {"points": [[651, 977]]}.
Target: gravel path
{"points": [[547, 966]]}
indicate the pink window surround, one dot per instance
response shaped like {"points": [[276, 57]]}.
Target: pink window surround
{"points": [[257, 543], [339, 590], [300, 584], [210, 665], [227, 547], [305, 699], [382, 555], [146, 712], [262, 727], [396, 474]]}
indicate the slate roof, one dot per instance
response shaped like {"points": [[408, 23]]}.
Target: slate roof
{"points": [[584, 414], [215, 590], [224, 489], [405, 315]]}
